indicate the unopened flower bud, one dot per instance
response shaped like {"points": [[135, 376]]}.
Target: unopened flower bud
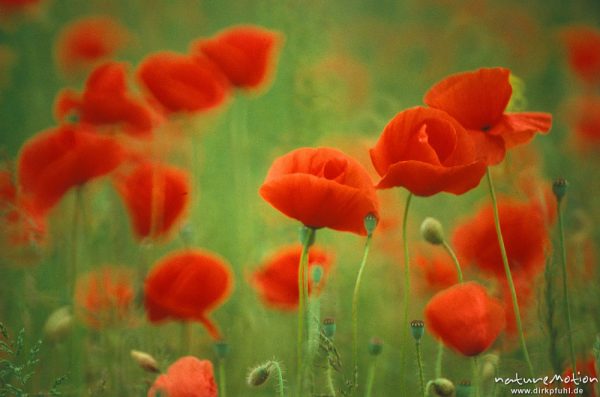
{"points": [[432, 231], [58, 324], [375, 346], [559, 188], [145, 361], [441, 387], [370, 222], [417, 328], [259, 375], [489, 365], [329, 327]]}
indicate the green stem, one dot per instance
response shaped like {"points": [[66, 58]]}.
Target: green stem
{"points": [[371, 378], [475, 377], [565, 286], [404, 336], [222, 378], [302, 294], [420, 364], [330, 386], [355, 309], [77, 201], [450, 252], [509, 279], [439, 360], [280, 382]]}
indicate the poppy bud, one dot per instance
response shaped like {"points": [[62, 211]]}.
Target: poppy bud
{"points": [[329, 327], [375, 346], [371, 223], [417, 328], [489, 365], [559, 188], [59, 323], [145, 361], [259, 375], [221, 349], [432, 231], [441, 387]]}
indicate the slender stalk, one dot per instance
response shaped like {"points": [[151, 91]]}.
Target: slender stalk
{"points": [[280, 382], [565, 285], [509, 279], [355, 309], [450, 252], [302, 294], [439, 360], [404, 336], [475, 382], [222, 378], [371, 378], [420, 364], [330, 386], [77, 201]]}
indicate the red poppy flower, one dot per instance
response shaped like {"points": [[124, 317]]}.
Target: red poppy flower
{"points": [[85, 42], [438, 270], [583, 51], [321, 187], [54, 161], [465, 318], [427, 152], [277, 280], [584, 121], [525, 232], [186, 286], [104, 297], [187, 377], [245, 54], [105, 101], [585, 368], [181, 83], [156, 196], [478, 100]]}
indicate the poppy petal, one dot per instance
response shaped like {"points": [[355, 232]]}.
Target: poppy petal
{"points": [[520, 128]]}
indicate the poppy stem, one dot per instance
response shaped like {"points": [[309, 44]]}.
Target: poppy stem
{"points": [[406, 298], [450, 252], [307, 236], [222, 378], [509, 279], [420, 364], [475, 382], [77, 203], [371, 377], [565, 284], [439, 360], [361, 270]]}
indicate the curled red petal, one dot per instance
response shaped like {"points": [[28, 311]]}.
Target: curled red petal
{"points": [[520, 128]]}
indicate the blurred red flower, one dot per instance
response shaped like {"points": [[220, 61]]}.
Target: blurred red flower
{"points": [[277, 280], [478, 101], [12, 6], [104, 297], [585, 367], [186, 285], [186, 377], [525, 229], [245, 54], [427, 152], [156, 196], [182, 83], [83, 43], [465, 318], [583, 51], [584, 122], [438, 270], [56, 160], [321, 187], [105, 101]]}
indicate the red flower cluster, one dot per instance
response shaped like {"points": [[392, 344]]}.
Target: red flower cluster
{"points": [[186, 286], [186, 377], [277, 280]]}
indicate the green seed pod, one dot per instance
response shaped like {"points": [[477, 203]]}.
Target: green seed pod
{"points": [[221, 349], [329, 327], [559, 188], [432, 231], [417, 328], [370, 223], [316, 274], [464, 389], [375, 346]]}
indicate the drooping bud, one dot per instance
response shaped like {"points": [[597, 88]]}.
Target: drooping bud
{"points": [[329, 327], [375, 346], [370, 223], [559, 188], [441, 387], [259, 375], [432, 231], [145, 361], [58, 324], [417, 328]]}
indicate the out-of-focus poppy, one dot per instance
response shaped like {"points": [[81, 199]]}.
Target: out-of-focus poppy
{"points": [[186, 377], [478, 101], [156, 196], [104, 297], [247, 55], [583, 51], [427, 152], [584, 121], [465, 318], [182, 83], [321, 187], [8, 7], [186, 286], [87, 41], [526, 238], [277, 280], [105, 101], [438, 270], [585, 368], [54, 161]]}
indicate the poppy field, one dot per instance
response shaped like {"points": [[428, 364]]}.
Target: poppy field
{"points": [[299, 198]]}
